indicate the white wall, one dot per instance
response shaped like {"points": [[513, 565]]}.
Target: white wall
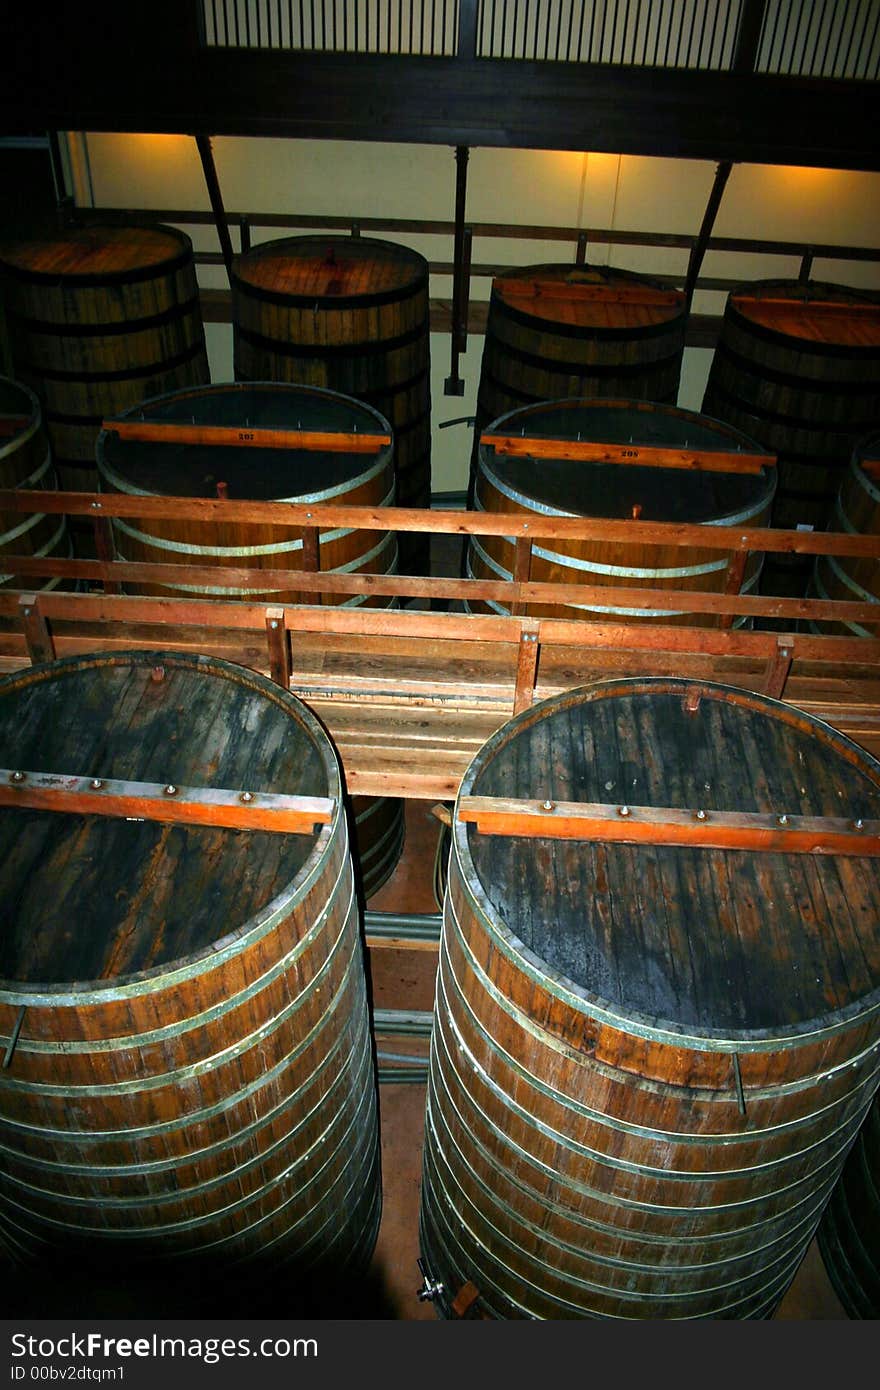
{"points": [[527, 187]]}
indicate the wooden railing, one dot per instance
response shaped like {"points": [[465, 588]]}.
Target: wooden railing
{"points": [[410, 692]]}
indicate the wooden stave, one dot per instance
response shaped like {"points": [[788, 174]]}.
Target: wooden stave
{"points": [[808, 401], [378, 352], [849, 1232], [26, 462], [780, 1083], [569, 561], [61, 1059], [857, 511], [527, 359], [154, 340]]}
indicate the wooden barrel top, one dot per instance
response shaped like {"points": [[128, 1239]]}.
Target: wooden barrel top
{"points": [[583, 297], [829, 315], [697, 943], [100, 899], [96, 251], [315, 267], [251, 474], [568, 488]]}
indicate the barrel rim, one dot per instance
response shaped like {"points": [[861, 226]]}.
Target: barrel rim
{"points": [[767, 480], [802, 290], [575, 996], [272, 912], [673, 322], [373, 464], [253, 290], [177, 260]]}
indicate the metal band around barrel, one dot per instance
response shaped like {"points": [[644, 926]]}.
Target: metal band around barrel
{"points": [[131, 1133], [46, 549], [488, 1284], [177, 1076], [139, 1041], [435, 1156], [206, 1218], [821, 592], [533, 504], [573, 1215], [634, 1022], [326, 1101], [265, 1115], [19, 440], [609, 1123], [146, 369], [570, 1102], [366, 475], [107, 330]]}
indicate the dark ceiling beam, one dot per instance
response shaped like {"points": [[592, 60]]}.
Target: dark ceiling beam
{"points": [[158, 79]]}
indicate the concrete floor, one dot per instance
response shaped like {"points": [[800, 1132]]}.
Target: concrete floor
{"points": [[403, 979]]}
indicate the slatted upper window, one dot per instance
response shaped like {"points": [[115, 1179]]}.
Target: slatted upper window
{"points": [[807, 38]]}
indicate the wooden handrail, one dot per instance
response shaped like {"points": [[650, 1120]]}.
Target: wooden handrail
{"points": [[535, 525]]}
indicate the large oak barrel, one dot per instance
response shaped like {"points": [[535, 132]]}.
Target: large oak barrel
{"points": [[350, 314], [26, 462], [241, 471], [849, 1232], [101, 317], [856, 511], [797, 366], [189, 1082], [568, 330], [648, 1061], [534, 483]]}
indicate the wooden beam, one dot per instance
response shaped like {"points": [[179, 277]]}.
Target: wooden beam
{"points": [[642, 455], [167, 803], [36, 630], [222, 436], [655, 825], [526, 666]]}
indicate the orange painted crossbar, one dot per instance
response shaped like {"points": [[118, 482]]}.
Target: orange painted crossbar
{"points": [[871, 468], [660, 825], [644, 455], [577, 290], [221, 436], [155, 801]]}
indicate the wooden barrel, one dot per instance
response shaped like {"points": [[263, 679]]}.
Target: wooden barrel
{"points": [[350, 314], [569, 330], [856, 511], [243, 471], [100, 318], [535, 480], [26, 462], [849, 1232], [189, 1081], [648, 1060], [797, 366]]}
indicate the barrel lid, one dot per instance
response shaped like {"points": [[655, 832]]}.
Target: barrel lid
{"points": [[331, 267], [565, 487], [580, 296], [93, 253], [251, 474], [813, 311], [716, 946], [95, 901]]}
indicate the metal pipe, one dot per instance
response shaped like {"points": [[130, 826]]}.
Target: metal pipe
{"points": [[209, 168], [454, 386], [407, 926], [698, 251]]}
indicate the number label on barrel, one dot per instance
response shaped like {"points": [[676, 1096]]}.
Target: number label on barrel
{"points": [[246, 436]]}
